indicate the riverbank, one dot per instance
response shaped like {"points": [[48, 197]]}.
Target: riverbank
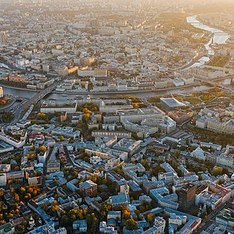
{"points": [[18, 92], [18, 88], [218, 37]]}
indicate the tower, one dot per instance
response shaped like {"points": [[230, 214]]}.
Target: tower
{"points": [[186, 197], [31, 223], [3, 38]]}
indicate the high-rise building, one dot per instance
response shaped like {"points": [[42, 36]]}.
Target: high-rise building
{"points": [[186, 197]]}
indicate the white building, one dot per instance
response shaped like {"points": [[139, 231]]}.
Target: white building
{"points": [[1, 92], [3, 179], [199, 154]]}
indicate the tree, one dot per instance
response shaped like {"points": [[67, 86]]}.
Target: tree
{"points": [[145, 163], [136, 105], [31, 156], [44, 206], [106, 207], [144, 206], [217, 171], [126, 212], [64, 221], [1, 192], [177, 153], [150, 218], [30, 190], [86, 117], [22, 190], [204, 215], [86, 111], [131, 224], [27, 196], [61, 138], [20, 228], [92, 222], [138, 214], [17, 198], [42, 116], [42, 148], [7, 117]]}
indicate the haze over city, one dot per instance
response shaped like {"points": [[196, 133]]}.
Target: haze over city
{"points": [[116, 116]]}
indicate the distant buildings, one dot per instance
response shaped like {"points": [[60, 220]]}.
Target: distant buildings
{"points": [[1, 92], [219, 120], [226, 158], [52, 107]]}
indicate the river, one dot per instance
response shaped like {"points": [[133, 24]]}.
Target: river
{"points": [[219, 37], [18, 92], [146, 94]]}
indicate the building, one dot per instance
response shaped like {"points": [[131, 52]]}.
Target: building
{"points": [[80, 226], [1, 92], [171, 103], [119, 135], [12, 141], [114, 106], [53, 163], [120, 199], [52, 107], [186, 197], [15, 175], [114, 214], [5, 147], [227, 157], [216, 120], [88, 187], [188, 227], [46, 228], [199, 154], [7, 228], [3, 179], [225, 218], [164, 199], [158, 227], [127, 145]]}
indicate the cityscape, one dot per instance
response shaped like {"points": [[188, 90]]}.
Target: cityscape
{"points": [[117, 116]]}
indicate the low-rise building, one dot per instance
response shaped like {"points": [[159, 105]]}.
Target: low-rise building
{"points": [[80, 226]]}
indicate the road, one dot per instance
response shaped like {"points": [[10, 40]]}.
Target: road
{"points": [[209, 220], [214, 82], [19, 110], [11, 102], [194, 60]]}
